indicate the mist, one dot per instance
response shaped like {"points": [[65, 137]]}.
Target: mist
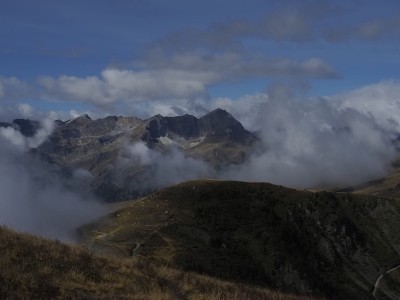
{"points": [[161, 169], [317, 144], [324, 142], [34, 196]]}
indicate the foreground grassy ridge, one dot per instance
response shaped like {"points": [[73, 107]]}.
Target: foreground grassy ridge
{"points": [[35, 268], [316, 243]]}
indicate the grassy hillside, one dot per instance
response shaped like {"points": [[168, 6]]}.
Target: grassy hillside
{"points": [[317, 243], [35, 268]]}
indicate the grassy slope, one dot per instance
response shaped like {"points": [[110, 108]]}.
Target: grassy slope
{"points": [[321, 243], [35, 268]]}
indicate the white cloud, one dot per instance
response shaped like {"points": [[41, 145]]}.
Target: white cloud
{"points": [[315, 143], [26, 110], [125, 85], [160, 169], [380, 101], [156, 84], [184, 76], [34, 197], [12, 88], [13, 137], [71, 88], [23, 143]]}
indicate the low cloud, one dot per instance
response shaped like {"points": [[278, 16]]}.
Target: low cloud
{"points": [[341, 140], [161, 169], [315, 144], [380, 101], [10, 112], [34, 197]]}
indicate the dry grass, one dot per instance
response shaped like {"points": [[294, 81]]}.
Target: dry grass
{"points": [[32, 267]]}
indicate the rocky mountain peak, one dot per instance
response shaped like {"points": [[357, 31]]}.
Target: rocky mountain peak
{"points": [[221, 124], [218, 112], [218, 125]]}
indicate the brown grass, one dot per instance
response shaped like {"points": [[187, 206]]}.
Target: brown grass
{"points": [[32, 267]]}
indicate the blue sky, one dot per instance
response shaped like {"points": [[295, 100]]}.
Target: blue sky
{"points": [[125, 56]]}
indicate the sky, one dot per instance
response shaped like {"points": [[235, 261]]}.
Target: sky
{"points": [[144, 57]]}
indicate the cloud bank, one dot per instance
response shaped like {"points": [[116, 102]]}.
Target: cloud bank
{"points": [[318, 145]]}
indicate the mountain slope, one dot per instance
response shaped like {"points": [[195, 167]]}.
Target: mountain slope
{"points": [[321, 243], [34, 268]]}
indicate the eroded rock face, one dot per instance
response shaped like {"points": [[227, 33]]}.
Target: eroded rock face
{"points": [[96, 145]]}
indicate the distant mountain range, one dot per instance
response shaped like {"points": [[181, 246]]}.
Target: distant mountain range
{"points": [[97, 146]]}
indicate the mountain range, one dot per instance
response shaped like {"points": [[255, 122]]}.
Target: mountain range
{"points": [[102, 147]]}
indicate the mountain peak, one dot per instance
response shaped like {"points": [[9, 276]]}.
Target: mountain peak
{"points": [[84, 116], [221, 124], [217, 112], [82, 119]]}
